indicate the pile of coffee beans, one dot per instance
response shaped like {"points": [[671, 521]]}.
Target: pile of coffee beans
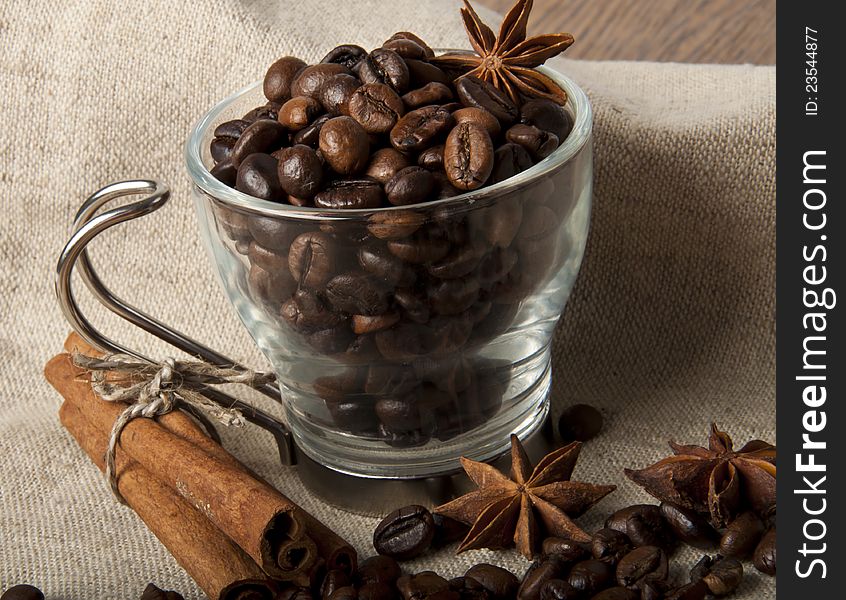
{"points": [[402, 296], [22, 592]]}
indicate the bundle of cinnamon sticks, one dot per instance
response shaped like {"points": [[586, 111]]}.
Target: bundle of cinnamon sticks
{"points": [[236, 535]]}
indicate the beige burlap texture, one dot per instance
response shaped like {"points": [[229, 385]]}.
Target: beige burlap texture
{"points": [[671, 324]]}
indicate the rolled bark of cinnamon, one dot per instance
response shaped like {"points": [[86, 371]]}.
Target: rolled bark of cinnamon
{"points": [[219, 567], [263, 522], [335, 550]]}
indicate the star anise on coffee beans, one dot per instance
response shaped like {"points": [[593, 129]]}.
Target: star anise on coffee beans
{"points": [[717, 480], [507, 61], [526, 506]]}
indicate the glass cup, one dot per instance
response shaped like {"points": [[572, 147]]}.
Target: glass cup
{"points": [[404, 337]]}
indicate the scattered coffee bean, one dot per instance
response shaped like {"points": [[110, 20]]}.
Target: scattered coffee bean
{"points": [[764, 557], [690, 527], [548, 568], [742, 536], [426, 584], [645, 526], [334, 580], [468, 156], [610, 544], [646, 563], [591, 576], [347, 55], [558, 589], [724, 576], [501, 583], [280, 75], [23, 592], [151, 592], [692, 591], [405, 533]]}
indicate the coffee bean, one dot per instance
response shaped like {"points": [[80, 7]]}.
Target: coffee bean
{"points": [[225, 172], [434, 92], [376, 107], [764, 557], [347, 55], [692, 591], [420, 128], [385, 163], [334, 580], [379, 569], [331, 340], [263, 136], [479, 116], [409, 186], [500, 582], [448, 530], [345, 145], [610, 544], [558, 589], [645, 526], [357, 294], [395, 224], [646, 563], [400, 414], [300, 171], [653, 590], [537, 142], [742, 536], [542, 571], [312, 259], [306, 311], [272, 233], [453, 296], [509, 159], [460, 262], [499, 223], [477, 93], [579, 423], [405, 533], [617, 593], [468, 156], [268, 111], [267, 259], [384, 66], [362, 324], [407, 35], [432, 158], [280, 75], [568, 550], [419, 249], [376, 260], [422, 72], [414, 306], [376, 591], [469, 589], [309, 81], [22, 592], [336, 92], [221, 148], [690, 527], [310, 134], [444, 187], [298, 112], [402, 342], [231, 129], [291, 593], [350, 194], [344, 593], [406, 48], [257, 177], [547, 115], [424, 586], [724, 577], [591, 576]]}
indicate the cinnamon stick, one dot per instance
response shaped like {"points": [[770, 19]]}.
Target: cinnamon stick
{"points": [[219, 567], [335, 550], [259, 519]]}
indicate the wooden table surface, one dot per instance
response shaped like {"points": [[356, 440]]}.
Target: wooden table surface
{"points": [[697, 31]]}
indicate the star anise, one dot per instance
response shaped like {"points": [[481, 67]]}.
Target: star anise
{"points": [[717, 480], [528, 503], [507, 61]]}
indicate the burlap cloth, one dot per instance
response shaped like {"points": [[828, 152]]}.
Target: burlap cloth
{"points": [[671, 323]]}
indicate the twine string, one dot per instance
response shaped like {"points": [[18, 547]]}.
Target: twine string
{"points": [[155, 389]]}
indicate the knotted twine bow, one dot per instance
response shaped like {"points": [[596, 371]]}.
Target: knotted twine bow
{"points": [[154, 389]]}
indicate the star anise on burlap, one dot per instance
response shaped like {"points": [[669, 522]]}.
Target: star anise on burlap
{"points": [[527, 505], [507, 61], [717, 480]]}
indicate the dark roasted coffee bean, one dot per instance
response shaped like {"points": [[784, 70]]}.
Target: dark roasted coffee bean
{"points": [[274, 234], [347, 55], [406, 48], [300, 171], [742, 536], [724, 576], [460, 262], [280, 75], [432, 158], [345, 145], [402, 342], [363, 324], [431, 93], [384, 66], [231, 129], [298, 112], [409, 186], [591, 576], [344, 593], [336, 93], [333, 580], [263, 136], [454, 296], [547, 115], [537, 142], [468, 156], [257, 177], [474, 92], [421, 128], [385, 163], [376, 107], [407, 532], [221, 148], [332, 340], [447, 334], [653, 590], [395, 224], [579, 423], [390, 380], [309, 81], [690, 527], [355, 414], [701, 568], [764, 557], [479, 116], [647, 563], [376, 260], [611, 544], [567, 549], [398, 414], [509, 159], [310, 135], [425, 585], [419, 249], [377, 591], [499, 223], [617, 593], [414, 306], [444, 187], [558, 589], [225, 172], [151, 592], [407, 35], [313, 258], [269, 260], [469, 589], [422, 72], [448, 530], [502, 583], [350, 194], [268, 111], [29, 592], [692, 591], [549, 567], [379, 568], [645, 526], [357, 294], [307, 312]]}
